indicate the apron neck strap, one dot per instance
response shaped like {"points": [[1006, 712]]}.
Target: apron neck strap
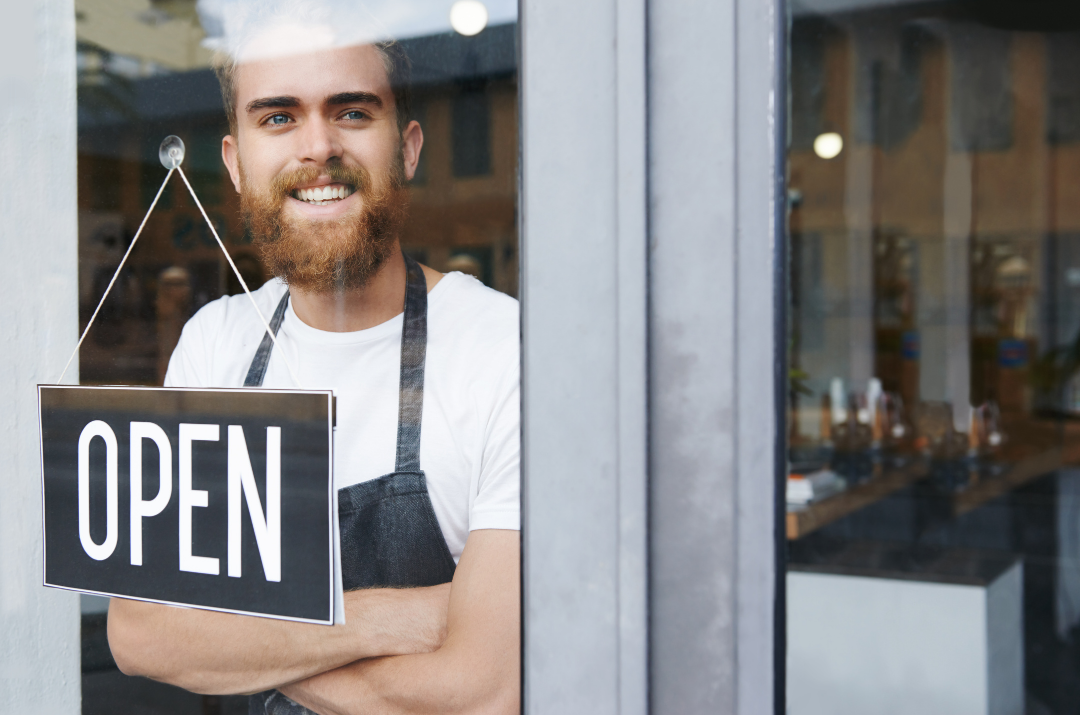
{"points": [[413, 354], [257, 371]]}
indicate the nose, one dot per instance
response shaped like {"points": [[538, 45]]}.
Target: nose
{"points": [[318, 142]]}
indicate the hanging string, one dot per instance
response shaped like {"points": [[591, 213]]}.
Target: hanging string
{"points": [[239, 277], [243, 283], [115, 276]]}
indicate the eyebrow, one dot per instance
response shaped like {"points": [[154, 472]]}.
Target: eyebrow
{"points": [[272, 103], [354, 98], [286, 101]]}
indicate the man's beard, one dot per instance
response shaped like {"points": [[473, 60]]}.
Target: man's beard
{"points": [[326, 256]]}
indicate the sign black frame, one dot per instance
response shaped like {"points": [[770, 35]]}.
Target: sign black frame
{"points": [[112, 399]]}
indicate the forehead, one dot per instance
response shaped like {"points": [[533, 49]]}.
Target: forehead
{"points": [[313, 76]]}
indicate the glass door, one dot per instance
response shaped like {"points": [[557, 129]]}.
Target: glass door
{"points": [[933, 497], [145, 72]]}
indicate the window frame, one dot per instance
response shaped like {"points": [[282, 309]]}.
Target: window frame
{"points": [[653, 200]]}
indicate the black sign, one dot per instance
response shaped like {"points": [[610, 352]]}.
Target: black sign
{"points": [[219, 499]]}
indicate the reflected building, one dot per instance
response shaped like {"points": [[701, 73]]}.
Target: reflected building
{"points": [[937, 251], [145, 76]]}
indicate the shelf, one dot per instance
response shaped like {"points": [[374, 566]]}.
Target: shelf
{"points": [[814, 516], [1035, 448], [1016, 476]]}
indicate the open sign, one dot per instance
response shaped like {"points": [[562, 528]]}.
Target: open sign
{"points": [[219, 499]]}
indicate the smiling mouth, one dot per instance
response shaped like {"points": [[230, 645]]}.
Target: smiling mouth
{"points": [[323, 195]]}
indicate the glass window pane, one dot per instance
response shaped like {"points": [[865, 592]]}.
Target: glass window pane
{"points": [[145, 72], [934, 244]]}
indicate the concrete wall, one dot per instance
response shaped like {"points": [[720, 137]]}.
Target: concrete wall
{"points": [[39, 627]]}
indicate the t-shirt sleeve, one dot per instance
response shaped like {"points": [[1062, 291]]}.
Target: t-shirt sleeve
{"points": [[498, 500], [189, 366]]}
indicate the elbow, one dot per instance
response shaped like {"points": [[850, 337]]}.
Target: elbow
{"points": [[504, 701], [500, 701], [497, 694], [129, 642], [139, 645], [144, 644]]}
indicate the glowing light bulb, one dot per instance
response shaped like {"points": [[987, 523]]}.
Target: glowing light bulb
{"points": [[171, 152], [828, 145], [468, 17]]}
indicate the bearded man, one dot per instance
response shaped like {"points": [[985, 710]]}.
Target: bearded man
{"points": [[425, 370]]}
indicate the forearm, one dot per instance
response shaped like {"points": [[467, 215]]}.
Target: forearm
{"points": [[209, 652], [476, 671], [441, 682]]}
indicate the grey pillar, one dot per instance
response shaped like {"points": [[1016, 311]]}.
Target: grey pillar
{"points": [[583, 211], [716, 99], [959, 208], [39, 627], [650, 324]]}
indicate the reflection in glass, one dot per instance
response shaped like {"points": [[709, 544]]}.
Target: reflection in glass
{"points": [[933, 527], [144, 73]]}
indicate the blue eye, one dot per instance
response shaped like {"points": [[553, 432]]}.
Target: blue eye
{"points": [[355, 115], [277, 119]]}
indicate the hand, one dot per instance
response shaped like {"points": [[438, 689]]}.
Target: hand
{"points": [[475, 671], [421, 623]]}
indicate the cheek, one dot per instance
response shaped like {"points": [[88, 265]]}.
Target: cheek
{"points": [[258, 176], [378, 151], [386, 164], [260, 161]]}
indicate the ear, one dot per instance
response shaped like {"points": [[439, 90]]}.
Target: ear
{"points": [[230, 154], [412, 140]]}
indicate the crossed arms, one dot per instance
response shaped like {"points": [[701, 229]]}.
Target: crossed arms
{"points": [[446, 649]]}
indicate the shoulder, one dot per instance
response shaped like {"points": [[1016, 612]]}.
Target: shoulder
{"points": [[463, 307], [221, 336], [473, 338], [234, 315]]}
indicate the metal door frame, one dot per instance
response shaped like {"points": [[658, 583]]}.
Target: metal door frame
{"points": [[652, 224]]}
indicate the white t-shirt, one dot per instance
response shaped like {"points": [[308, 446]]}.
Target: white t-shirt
{"points": [[469, 439]]}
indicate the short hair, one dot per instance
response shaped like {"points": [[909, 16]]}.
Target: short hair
{"points": [[395, 60]]}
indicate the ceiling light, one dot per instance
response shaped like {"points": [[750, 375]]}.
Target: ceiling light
{"points": [[468, 17], [828, 145]]}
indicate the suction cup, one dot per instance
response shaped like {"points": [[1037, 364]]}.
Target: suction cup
{"points": [[171, 152]]}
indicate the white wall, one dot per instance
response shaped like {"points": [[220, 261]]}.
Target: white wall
{"points": [[39, 627], [860, 645]]}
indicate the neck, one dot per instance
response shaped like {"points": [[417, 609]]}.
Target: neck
{"points": [[377, 301]]}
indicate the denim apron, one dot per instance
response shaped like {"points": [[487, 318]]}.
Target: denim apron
{"points": [[390, 537]]}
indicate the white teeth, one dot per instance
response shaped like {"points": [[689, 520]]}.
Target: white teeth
{"points": [[323, 195]]}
